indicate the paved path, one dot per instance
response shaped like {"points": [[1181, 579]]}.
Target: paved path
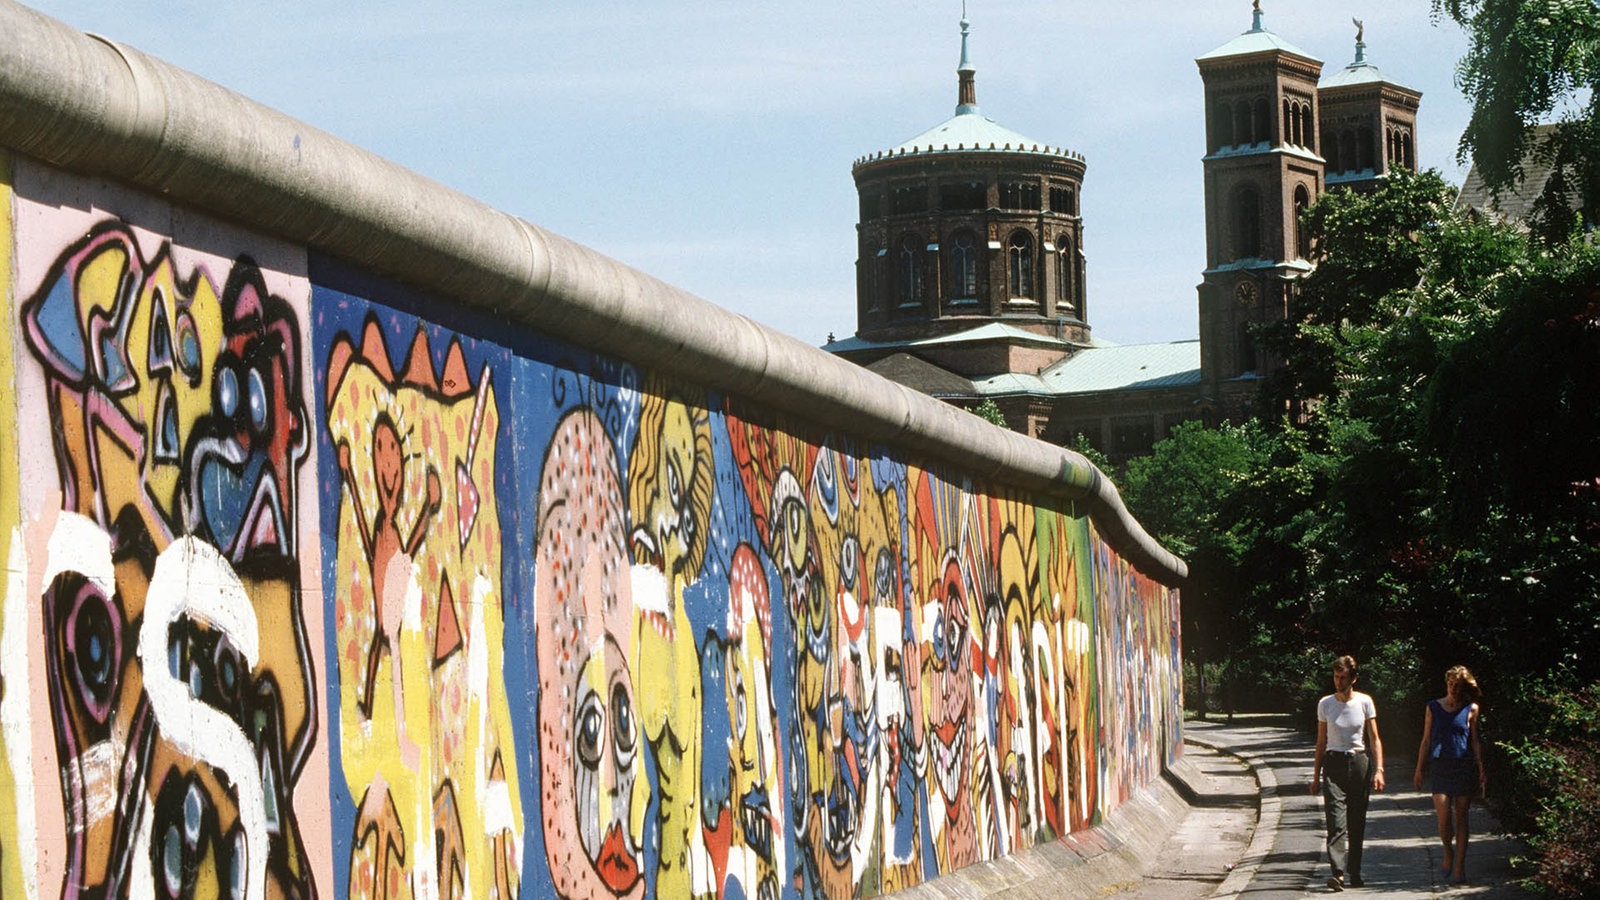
{"points": [[1286, 856]]}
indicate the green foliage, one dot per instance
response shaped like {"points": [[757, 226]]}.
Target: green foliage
{"points": [[1533, 61], [1552, 773], [1435, 500], [989, 411], [1080, 444]]}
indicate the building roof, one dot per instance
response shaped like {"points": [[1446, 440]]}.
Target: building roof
{"points": [[1101, 369], [993, 331], [921, 375], [1516, 202], [968, 130], [1359, 72], [1257, 40]]}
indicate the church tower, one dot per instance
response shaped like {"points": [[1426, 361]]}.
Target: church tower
{"points": [[1368, 123], [970, 224], [1262, 169]]}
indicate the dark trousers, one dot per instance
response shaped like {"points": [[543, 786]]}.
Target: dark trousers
{"points": [[1346, 785]]}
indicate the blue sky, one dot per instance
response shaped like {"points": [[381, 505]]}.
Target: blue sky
{"points": [[709, 143]]}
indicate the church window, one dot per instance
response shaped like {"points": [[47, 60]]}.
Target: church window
{"points": [[1019, 256], [1308, 126], [1364, 149], [1241, 122], [910, 199], [1302, 241], [1405, 151], [1222, 125], [871, 205], [1347, 151], [909, 284], [1246, 349], [1065, 265], [1063, 200], [1019, 195], [963, 268], [1261, 121], [962, 196], [1246, 223]]}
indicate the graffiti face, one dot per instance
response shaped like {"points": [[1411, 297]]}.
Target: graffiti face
{"points": [[947, 679], [756, 852], [589, 759]]}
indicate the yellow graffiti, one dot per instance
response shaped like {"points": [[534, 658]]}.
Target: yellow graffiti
{"points": [[424, 717]]}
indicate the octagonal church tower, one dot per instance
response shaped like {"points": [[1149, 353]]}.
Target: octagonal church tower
{"points": [[970, 246]]}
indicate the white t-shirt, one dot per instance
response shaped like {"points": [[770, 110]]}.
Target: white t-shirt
{"points": [[1347, 720]]}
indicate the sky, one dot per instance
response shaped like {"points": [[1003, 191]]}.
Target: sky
{"points": [[710, 142]]}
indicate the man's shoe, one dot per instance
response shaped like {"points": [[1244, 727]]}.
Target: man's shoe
{"points": [[1355, 881], [1335, 883]]}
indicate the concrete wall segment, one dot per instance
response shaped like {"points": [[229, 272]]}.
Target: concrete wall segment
{"points": [[96, 107]]}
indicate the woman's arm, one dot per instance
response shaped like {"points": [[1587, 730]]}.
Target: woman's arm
{"points": [[1422, 745], [1477, 748]]}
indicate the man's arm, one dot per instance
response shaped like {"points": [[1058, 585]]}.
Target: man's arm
{"points": [[1316, 762], [1375, 747]]}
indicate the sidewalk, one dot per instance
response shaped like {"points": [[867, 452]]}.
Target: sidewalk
{"points": [[1286, 857]]}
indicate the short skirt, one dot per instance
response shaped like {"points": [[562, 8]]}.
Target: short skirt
{"points": [[1455, 777]]}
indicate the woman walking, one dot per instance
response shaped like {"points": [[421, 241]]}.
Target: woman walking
{"points": [[1450, 749]]}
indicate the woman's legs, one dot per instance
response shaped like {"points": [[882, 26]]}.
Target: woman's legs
{"points": [[1441, 808], [1462, 806]]}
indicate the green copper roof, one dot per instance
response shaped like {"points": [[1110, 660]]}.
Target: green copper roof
{"points": [[1359, 72], [968, 130], [1257, 40]]}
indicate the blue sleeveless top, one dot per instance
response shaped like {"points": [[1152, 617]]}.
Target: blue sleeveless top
{"points": [[1450, 732]]}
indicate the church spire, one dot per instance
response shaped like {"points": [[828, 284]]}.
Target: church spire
{"points": [[966, 74]]}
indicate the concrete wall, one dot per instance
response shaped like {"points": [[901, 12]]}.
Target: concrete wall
{"points": [[362, 540]]}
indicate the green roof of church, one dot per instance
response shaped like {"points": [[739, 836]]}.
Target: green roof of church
{"points": [[1099, 369], [1257, 40], [968, 130], [1358, 73]]}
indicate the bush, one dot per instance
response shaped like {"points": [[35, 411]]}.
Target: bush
{"points": [[1551, 784]]}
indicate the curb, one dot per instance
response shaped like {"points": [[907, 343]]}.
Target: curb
{"points": [[1268, 812]]}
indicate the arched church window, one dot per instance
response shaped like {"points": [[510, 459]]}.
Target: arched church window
{"points": [[1241, 122], [1289, 121], [1246, 349], [1065, 259], [1405, 151], [963, 267], [1347, 152], [1302, 241], [909, 283], [1364, 149], [1261, 124], [1019, 256], [1246, 223], [1222, 125]]}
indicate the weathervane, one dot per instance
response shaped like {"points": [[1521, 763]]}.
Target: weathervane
{"points": [[1359, 27]]}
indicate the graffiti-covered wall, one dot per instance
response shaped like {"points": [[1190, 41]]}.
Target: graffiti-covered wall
{"points": [[321, 585], [363, 541]]}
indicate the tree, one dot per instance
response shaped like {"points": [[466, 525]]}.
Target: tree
{"points": [[1530, 61]]}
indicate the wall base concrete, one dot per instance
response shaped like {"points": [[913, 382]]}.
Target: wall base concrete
{"points": [[1107, 859]]}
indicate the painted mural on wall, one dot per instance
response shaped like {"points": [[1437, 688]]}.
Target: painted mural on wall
{"points": [[317, 586], [154, 623]]}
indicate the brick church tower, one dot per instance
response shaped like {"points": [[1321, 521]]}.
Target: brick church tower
{"points": [[1261, 170], [967, 225]]}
